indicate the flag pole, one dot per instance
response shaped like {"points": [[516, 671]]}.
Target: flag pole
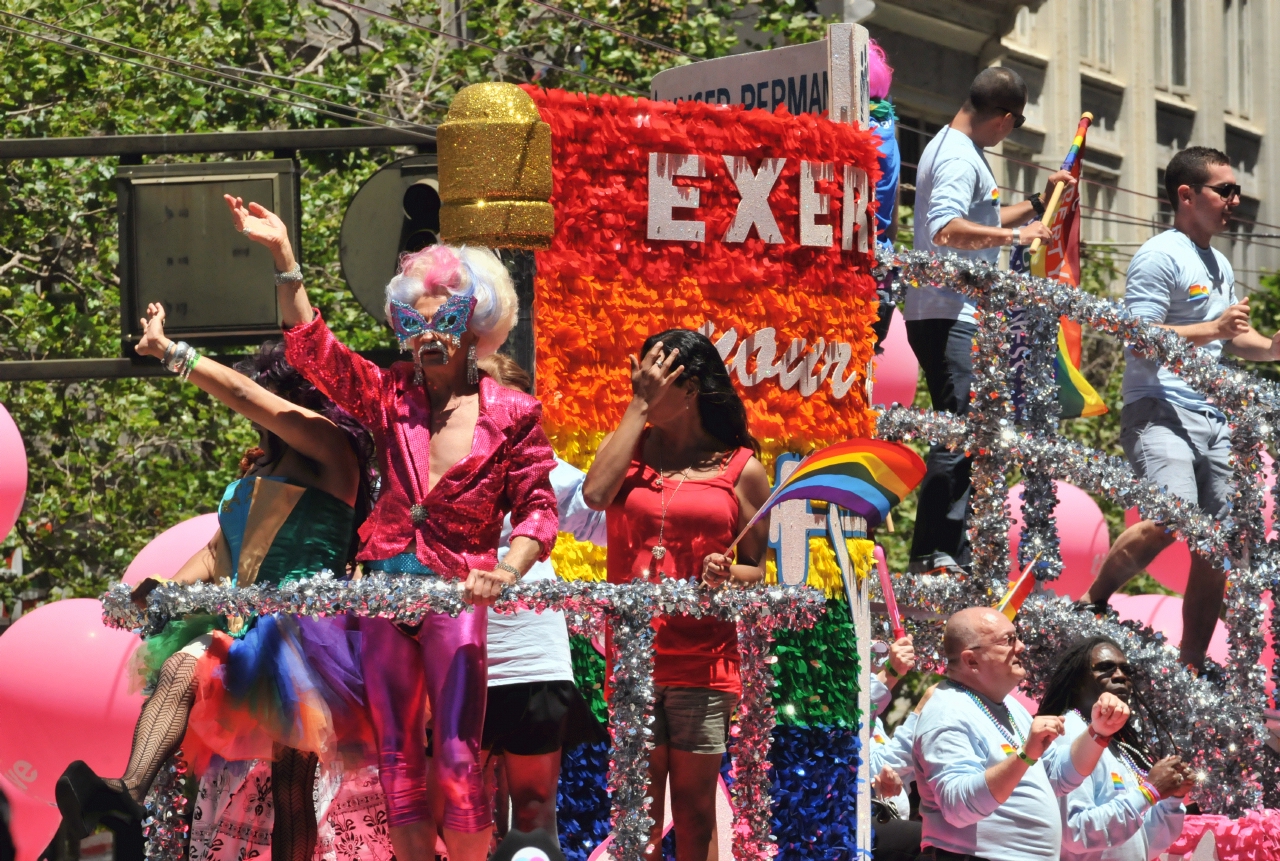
{"points": [[1051, 208]]}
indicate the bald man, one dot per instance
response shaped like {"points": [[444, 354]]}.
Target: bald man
{"points": [[987, 774]]}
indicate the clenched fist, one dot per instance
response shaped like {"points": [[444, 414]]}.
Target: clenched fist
{"points": [[1110, 713]]}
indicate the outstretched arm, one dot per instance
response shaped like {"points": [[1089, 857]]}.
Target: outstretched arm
{"points": [[310, 434], [265, 228]]}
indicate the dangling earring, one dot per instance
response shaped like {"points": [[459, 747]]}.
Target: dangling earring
{"points": [[473, 370]]}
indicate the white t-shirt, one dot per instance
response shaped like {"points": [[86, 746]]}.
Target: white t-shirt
{"points": [[953, 180], [534, 647]]}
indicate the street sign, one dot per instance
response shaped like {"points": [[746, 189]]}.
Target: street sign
{"points": [[828, 77]]}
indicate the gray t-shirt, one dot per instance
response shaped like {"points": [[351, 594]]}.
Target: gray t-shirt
{"points": [[1174, 282], [953, 180]]}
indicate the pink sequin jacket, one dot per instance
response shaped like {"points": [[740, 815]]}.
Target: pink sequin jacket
{"points": [[508, 468]]}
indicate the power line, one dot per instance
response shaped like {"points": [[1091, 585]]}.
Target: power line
{"points": [[603, 26], [343, 87], [207, 71], [490, 48]]}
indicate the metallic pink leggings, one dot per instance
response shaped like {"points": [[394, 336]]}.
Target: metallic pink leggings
{"points": [[446, 664]]}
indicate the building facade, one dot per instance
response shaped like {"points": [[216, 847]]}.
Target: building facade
{"points": [[1158, 75]]}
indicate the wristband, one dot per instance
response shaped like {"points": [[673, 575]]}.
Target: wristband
{"points": [[1149, 791], [888, 668], [1017, 237], [1022, 755], [509, 568], [1102, 740], [1037, 203]]}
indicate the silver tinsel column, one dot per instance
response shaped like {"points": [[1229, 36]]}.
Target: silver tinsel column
{"points": [[168, 827], [1039, 414]]}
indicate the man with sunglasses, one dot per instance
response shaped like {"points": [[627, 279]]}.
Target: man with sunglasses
{"points": [[958, 209], [988, 774], [1172, 435]]}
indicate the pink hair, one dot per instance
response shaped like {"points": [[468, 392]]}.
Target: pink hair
{"points": [[879, 72], [437, 266]]}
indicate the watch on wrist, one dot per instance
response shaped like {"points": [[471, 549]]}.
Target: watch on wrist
{"points": [[1037, 203]]}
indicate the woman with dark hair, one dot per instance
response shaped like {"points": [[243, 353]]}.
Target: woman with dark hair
{"points": [[679, 479], [1130, 807], [292, 513]]}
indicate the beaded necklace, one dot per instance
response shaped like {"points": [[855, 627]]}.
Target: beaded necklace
{"points": [[1018, 741]]}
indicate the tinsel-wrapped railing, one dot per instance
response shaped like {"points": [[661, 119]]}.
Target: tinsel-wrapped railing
{"points": [[1012, 423], [630, 609]]}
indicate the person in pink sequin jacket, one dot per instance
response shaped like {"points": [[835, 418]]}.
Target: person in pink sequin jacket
{"points": [[456, 451]]}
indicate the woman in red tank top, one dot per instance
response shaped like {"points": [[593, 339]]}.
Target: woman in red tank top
{"points": [[679, 479]]}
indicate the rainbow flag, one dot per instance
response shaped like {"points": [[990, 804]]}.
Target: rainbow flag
{"points": [[867, 477], [1060, 258], [1117, 781], [1014, 597]]}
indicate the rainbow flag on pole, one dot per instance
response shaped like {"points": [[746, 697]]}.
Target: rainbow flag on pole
{"points": [[1060, 258], [866, 477]]}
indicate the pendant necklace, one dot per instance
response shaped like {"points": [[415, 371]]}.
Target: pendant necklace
{"points": [[659, 550]]}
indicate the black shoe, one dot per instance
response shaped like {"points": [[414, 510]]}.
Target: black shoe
{"points": [[87, 800]]}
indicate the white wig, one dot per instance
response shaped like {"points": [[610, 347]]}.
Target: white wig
{"points": [[442, 270]]}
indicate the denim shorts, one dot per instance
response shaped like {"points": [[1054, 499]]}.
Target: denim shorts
{"points": [[1187, 452], [695, 720]]}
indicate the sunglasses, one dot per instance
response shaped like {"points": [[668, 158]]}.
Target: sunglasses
{"points": [[1107, 669], [1226, 190], [1018, 119], [1009, 641]]}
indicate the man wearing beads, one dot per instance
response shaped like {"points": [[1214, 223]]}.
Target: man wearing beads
{"points": [[988, 776]]}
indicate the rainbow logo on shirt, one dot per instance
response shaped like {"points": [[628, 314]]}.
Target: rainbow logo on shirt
{"points": [[1117, 781], [995, 197], [1007, 748], [1198, 292], [879, 739]]}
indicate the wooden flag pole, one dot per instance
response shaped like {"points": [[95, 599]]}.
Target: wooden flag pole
{"points": [[1055, 199]]}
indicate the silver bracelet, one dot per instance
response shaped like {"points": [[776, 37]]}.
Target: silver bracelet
{"points": [[291, 276], [172, 360], [509, 568]]}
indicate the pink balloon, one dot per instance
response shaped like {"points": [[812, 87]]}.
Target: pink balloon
{"points": [[896, 368], [13, 473], [1164, 613], [32, 822], [1173, 565], [171, 549], [1082, 538], [65, 683]]}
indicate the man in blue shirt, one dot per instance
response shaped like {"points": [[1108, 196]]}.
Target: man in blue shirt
{"points": [[988, 774], [1172, 435], [958, 209]]}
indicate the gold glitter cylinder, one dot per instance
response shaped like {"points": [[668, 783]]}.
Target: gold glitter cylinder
{"points": [[495, 170]]}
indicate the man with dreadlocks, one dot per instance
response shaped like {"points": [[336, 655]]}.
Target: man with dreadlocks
{"points": [[1129, 808]]}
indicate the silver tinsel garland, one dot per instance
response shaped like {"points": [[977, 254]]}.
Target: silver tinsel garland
{"points": [[1222, 724], [630, 610], [167, 827]]}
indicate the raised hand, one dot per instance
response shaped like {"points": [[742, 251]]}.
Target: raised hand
{"points": [[1110, 713], [652, 377], [1044, 729], [262, 226], [153, 341], [902, 655]]}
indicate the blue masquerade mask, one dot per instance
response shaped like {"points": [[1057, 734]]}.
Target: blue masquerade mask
{"points": [[450, 321]]}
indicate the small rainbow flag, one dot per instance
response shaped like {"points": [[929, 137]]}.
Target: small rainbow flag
{"points": [[1012, 600], [867, 477], [1197, 292], [1117, 781], [1007, 748]]}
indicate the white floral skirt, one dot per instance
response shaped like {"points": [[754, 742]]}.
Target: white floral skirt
{"points": [[233, 814]]}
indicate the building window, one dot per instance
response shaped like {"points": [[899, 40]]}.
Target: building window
{"points": [[1238, 56], [1021, 177], [1024, 25], [1171, 45], [1096, 27], [1098, 203]]}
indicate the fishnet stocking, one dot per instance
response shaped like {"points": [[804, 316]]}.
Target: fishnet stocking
{"points": [[161, 725], [293, 778]]}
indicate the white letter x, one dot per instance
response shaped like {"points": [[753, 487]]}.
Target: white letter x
{"points": [[753, 208]]}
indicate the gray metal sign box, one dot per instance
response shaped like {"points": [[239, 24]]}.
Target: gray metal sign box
{"points": [[178, 247]]}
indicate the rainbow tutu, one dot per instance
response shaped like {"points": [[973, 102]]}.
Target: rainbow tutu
{"points": [[289, 682]]}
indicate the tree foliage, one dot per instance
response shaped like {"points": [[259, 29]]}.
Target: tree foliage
{"points": [[114, 462]]}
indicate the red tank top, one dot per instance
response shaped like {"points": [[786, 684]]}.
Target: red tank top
{"points": [[702, 518]]}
